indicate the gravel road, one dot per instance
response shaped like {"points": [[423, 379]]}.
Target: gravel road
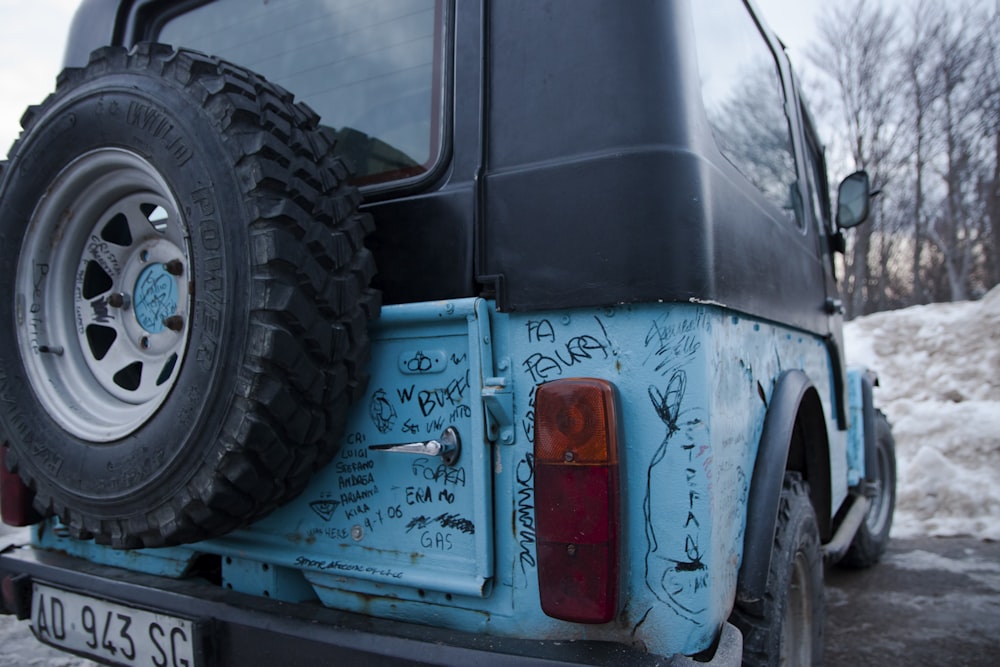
{"points": [[931, 602]]}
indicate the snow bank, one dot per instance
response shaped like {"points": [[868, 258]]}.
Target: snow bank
{"points": [[939, 369]]}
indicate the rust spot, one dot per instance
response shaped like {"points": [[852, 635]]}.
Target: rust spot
{"points": [[390, 552], [297, 538], [365, 600]]}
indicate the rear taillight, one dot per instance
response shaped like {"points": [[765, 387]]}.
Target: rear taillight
{"points": [[576, 499], [15, 498]]}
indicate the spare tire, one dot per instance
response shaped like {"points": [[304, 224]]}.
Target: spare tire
{"points": [[184, 297]]}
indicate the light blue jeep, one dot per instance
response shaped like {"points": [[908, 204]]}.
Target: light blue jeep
{"points": [[591, 407]]}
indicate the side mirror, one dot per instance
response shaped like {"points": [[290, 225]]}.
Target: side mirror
{"points": [[852, 200]]}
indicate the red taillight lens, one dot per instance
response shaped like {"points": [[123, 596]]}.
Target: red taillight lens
{"points": [[576, 499], [15, 498]]}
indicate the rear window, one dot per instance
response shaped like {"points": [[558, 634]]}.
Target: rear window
{"points": [[745, 101], [372, 69]]}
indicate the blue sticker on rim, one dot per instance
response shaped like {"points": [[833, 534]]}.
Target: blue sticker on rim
{"points": [[154, 298]]}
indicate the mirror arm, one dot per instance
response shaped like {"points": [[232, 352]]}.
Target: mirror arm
{"points": [[838, 243]]}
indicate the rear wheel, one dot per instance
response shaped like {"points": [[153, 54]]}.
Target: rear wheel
{"points": [[872, 538], [786, 626]]}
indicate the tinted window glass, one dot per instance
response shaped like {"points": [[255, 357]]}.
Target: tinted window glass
{"points": [[815, 193], [370, 68], [819, 196], [744, 100]]}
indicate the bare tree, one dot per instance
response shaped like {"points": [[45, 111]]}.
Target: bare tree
{"points": [[856, 53], [922, 90], [919, 107], [988, 84], [954, 47]]}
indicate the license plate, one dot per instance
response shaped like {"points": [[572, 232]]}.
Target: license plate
{"points": [[110, 631]]}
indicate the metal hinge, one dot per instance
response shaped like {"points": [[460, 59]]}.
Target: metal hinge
{"points": [[498, 388], [498, 402]]}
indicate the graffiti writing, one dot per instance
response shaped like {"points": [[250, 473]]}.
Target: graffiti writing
{"points": [[418, 495], [540, 330], [552, 363], [460, 412], [341, 566], [445, 520], [430, 400], [36, 323], [329, 532], [102, 254], [675, 570], [324, 508], [544, 367], [436, 540], [528, 421], [525, 474], [101, 311], [382, 414], [419, 363], [674, 343], [432, 471]]}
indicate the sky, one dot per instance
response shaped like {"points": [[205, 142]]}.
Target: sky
{"points": [[793, 20], [32, 37]]}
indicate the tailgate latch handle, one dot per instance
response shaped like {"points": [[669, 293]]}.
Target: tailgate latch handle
{"points": [[448, 447]]}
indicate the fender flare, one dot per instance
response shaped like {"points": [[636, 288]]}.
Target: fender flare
{"points": [[794, 396]]}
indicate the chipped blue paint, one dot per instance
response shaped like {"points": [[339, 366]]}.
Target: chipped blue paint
{"points": [[408, 537]]}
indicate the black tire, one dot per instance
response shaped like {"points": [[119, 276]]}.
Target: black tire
{"points": [[269, 295], [872, 538], [786, 626]]}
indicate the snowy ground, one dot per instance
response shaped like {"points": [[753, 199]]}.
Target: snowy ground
{"points": [[939, 368]]}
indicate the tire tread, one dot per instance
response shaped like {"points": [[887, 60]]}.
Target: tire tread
{"points": [[309, 302]]}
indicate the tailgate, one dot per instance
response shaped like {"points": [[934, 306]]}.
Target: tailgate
{"points": [[392, 510]]}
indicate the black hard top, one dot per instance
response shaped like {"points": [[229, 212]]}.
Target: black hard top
{"points": [[579, 170]]}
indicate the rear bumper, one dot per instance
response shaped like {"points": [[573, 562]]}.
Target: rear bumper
{"points": [[244, 630]]}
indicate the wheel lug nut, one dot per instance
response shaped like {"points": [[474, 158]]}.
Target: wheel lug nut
{"points": [[174, 322], [118, 300], [144, 342], [174, 267]]}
